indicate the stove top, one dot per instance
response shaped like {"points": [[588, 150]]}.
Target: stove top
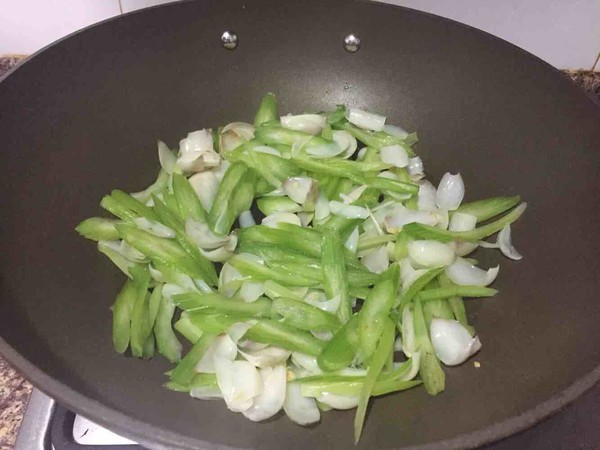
{"points": [[49, 426]]}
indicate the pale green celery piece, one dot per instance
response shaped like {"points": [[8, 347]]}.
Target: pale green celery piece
{"points": [[208, 380], [353, 387], [355, 277], [294, 238], [122, 310], [304, 316], [387, 184], [267, 110], [377, 139], [187, 329], [384, 347], [222, 214], [403, 175], [457, 304], [375, 310], [116, 208], [269, 205], [401, 246], [259, 271], [327, 132], [284, 336], [359, 291], [435, 307], [366, 243], [455, 291], [274, 290], [338, 116], [412, 203], [161, 183], [166, 340], [98, 229], [187, 199], [214, 323], [184, 372], [117, 259], [202, 264], [334, 275], [274, 134], [431, 370], [487, 208], [371, 155], [272, 252], [191, 301], [339, 352], [344, 187], [411, 139], [353, 170], [171, 202], [140, 320], [133, 204], [419, 284], [243, 195], [420, 231], [154, 304], [148, 351]]}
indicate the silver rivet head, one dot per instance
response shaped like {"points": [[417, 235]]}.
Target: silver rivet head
{"points": [[351, 43], [229, 40]]}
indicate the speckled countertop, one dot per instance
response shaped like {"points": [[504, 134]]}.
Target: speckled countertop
{"points": [[15, 390]]}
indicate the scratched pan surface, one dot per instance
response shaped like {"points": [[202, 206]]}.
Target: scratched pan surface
{"points": [[82, 117]]}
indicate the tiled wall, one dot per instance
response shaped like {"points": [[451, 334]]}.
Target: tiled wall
{"points": [[566, 33]]}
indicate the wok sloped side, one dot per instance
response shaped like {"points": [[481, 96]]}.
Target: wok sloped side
{"points": [[82, 117]]}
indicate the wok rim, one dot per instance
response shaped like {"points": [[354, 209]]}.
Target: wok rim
{"points": [[138, 430]]}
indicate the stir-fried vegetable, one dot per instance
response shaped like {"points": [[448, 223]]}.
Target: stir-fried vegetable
{"points": [[307, 272]]}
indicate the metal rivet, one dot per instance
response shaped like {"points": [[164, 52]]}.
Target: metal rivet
{"points": [[229, 40], [351, 43]]}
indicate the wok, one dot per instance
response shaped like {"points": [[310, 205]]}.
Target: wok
{"points": [[82, 117]]}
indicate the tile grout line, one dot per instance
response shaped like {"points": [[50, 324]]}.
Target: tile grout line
{"points": [[121, 6], [593, 67]]}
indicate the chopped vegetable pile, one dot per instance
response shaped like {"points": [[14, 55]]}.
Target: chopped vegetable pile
{"points": [[306, 259]]}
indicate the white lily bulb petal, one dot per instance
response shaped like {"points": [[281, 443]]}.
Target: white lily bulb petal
{"points": [[398, 344], [242, 129], [506, 246], [251, 291], [450, 192], [308, 123], [239, 382], [394, 155], [443, 218], [396, 131], [127, 251], [354, 194], [348, 211], [306, 362], [167, 159], [267, 357], [486, 244], [301, 410], [270, 401], [352, 241], [322, 335], [206, 185], [267, 150], [341, 402], [415, 168], [389, 175], [398, 216], [306, 218], [426, 196], [408, 274], [452, 342], [326, 305], [430, 253], [221, 347], [246, 219], [221, 254], [463, 273], [366, 120], [201, 235], [196, 152], [324, 150], [377, 260], [361, 153], [281, 217], [299, 144], [169, 290], [415, 362], [322, 210], [206, 393], [345, 141], [408, 332], [248, 345], [154, 227], [238, 330], [462, 222], [299, 188]]}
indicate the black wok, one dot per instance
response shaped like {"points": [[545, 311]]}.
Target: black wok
{"points": [[82, 117]]}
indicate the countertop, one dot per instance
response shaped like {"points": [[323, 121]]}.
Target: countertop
{"points": [[572, 428]]}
